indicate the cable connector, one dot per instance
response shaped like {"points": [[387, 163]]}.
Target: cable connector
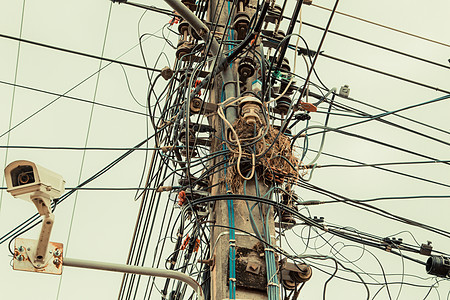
{"points": [[344, 91], [306, 52], [185, 242], [166, 73], [425, 249], [438, 266], [318, 220], [196, 245], [197, 82], [165, 149], [181, 198], [302, 117], [174, 20], [308, 106], [164, 189]]}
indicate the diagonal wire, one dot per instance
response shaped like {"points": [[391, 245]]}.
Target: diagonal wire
{"points": [[65, 93], [86, 141], [384, 26], [13, 98]]}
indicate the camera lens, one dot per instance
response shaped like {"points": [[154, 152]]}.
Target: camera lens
{"points": [[25, 178], [22, 175]]}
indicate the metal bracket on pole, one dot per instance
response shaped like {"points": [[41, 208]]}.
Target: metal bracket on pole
{"points": [[25, 251], [39, 255]]}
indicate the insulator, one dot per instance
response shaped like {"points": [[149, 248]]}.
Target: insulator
{"points": [[195, 105], [183, 48], [251, 109], [285, 65], [193, 152], [273, 14], [190, 4], [279, 35], [289, 201], [283, 105], [246, 67], [290, 90], [303, 274], [294, 274], [242, 4], [274, 91], [241, 23], [182, 136], [183, 27], [194, 33]]}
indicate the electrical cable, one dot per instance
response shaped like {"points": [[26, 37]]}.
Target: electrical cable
{"points": [[77, 52], [384, 26], [379, 46], [385, 73], [16, 70], [73, 98]]}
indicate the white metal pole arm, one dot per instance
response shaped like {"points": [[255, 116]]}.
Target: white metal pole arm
{"points": [[89, 264], [195, 22]]}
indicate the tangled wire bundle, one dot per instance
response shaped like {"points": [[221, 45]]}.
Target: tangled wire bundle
{"points": [[274, 160]]}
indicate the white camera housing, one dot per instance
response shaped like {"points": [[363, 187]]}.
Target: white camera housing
{"points": [[25, 179]]}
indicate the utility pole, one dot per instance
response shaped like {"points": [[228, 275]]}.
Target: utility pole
{"points": [[243, 263], [250, 268]]}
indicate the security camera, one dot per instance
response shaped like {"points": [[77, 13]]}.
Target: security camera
{"points": [[25, 179], [29, 181]]}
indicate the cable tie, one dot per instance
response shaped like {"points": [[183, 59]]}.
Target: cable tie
{"points": [[269, 249], [232, 279], [272, 284]]}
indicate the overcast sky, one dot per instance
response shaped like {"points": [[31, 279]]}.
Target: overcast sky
{"points": [[98, 225]]}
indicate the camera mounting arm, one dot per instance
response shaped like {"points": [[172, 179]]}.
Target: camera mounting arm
{"points": [[42, 204]]}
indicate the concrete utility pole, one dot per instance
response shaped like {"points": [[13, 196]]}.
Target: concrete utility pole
{"points": [[250, 276], [241, 266]]}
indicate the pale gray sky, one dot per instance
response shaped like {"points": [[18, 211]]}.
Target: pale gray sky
{"points": [[98, 225]]}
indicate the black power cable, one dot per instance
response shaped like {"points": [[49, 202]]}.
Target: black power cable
{"points": [[77, 52]]}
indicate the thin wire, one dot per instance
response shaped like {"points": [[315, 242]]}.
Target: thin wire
{"points": [[19, 229], [77, 148], [20, 39], [387, 170], [13, 98], [72, 98], [384, 26], [379, 46], [85, 144], [68, 91], [385, 73]]}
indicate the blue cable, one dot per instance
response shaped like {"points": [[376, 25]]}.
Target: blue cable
{"points": [[230, 205], [232, 235]]}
